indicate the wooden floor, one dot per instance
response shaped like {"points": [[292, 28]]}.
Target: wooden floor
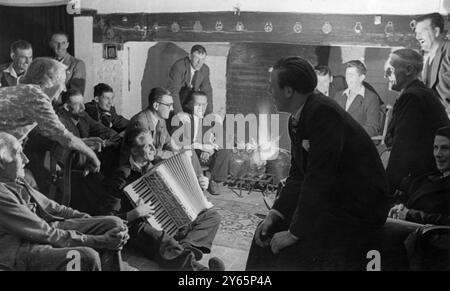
{"points": [[240, 216]]}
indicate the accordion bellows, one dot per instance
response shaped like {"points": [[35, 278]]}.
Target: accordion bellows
{"points": [[172, 188]]}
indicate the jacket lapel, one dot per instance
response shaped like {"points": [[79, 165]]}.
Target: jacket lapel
{"points": [[436, 64], [356, 104]]}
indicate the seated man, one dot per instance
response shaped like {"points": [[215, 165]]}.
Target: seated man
{"points": [[37, 233], [179, 252], [426, 199], [208, 152], [361, 103], [21, 55], [104, 140], [102, 109], [328, 84], [153, 118]]}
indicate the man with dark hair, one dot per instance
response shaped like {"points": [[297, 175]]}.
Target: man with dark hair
{"points": [[101, 108], [103, 140], [335, 194], [76, 69], [21, 55], [209, 153], [436, 48], [327, 84], [416, 116], [153, 118], [426, 199], [190, 74], [362, 104], [180, 252]]}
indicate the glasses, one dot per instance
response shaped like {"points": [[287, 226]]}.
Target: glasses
{"points": [[389, 72], [170, 105]]}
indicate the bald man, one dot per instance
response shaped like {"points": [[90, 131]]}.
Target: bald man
{"points": [[417, 114]]}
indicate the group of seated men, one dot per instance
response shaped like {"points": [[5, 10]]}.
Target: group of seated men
{"points": [[41, 115], [130, 148]]}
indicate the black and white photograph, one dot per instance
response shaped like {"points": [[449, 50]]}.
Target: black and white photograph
{"points": [[232, 137]]}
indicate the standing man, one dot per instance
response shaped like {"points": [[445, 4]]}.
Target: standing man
{"points": [[21, 55], [76, 69], [362, 104], [432, 38], [335, 194], [416, 116], [187, 75]]}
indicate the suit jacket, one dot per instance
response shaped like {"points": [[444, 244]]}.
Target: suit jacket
{"points": [[27, 217], [109, 118], [87, 127], [336, 179], [180, 84], [161, 138], [416, 116], [75, 73], [439, 79], [365, 110], [429, 199], [6, 78]]}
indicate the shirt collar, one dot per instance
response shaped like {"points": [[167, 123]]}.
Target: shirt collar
{"points": [[139, 167], [11, 71], [361, 92], [296, 116], [154, 118]]}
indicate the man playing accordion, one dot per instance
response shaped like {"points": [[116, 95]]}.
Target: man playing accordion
{"points": [[187, 246]]}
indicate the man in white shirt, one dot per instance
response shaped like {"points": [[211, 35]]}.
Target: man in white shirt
{"points": [[362, 104], [21, 55]]}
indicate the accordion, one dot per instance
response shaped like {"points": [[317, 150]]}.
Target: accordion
{"points": [[172, 188]]}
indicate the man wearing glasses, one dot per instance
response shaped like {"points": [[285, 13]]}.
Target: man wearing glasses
{"points": [[153, 118], [416, 116], [21, 55]]}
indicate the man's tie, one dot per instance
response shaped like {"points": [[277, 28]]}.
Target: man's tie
{"points": [[194, 79]]}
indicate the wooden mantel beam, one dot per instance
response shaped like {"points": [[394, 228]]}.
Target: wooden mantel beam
{"points": [[268, 27]]}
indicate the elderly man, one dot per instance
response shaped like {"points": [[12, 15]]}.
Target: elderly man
{"points": [[29, 105], [37, 233], [76, 69], [179, 252], [432, 38], [416, 116], [187, 75], [426, 199], [362, 104], [335, 194], [21, 55]]}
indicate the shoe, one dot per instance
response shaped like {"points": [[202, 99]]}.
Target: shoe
{"points": [[214, 187], [196, 266], [216, 264]]}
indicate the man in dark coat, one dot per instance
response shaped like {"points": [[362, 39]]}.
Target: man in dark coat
{"points": [[426, 199], [416, 116], [187, 75], [102, 109], [335, 193]]}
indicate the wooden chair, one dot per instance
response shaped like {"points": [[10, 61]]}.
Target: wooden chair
{"points": [[382, 137]]}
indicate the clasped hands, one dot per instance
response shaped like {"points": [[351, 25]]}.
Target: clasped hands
{"points": [[279, 240], [399, 211]]}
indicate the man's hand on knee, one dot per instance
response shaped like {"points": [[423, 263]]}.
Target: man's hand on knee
{"points": [[114, 239]]}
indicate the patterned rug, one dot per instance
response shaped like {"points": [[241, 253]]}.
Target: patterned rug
{"points": [[239, 221]]}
